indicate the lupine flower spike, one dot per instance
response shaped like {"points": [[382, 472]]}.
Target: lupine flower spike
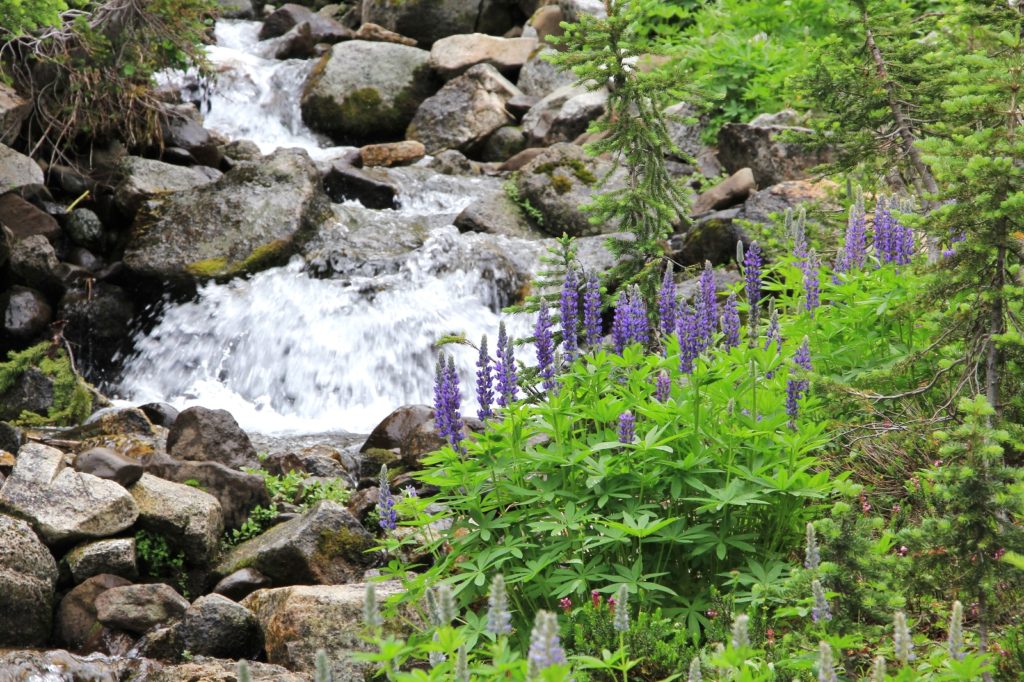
{"points": [[689, 344], [592, 311], [820, 611], [621, 620], [545, 344], [322, 667], [639, 325], [902, 641], [440, 605], [545, 644], [663, 387], [462, 665], [499, 618], [569, 311], [731, 322], [695, 674], [505, 369], [884, 232], [621, 321], [667, 302], [855, 246], [484, 382], [741, 632], [435, 657], [707, 304], [812, 555], [826, 664], [388, 517], [243, 674], [371, 612], [878, 669], [956, 632], [811, 267], [799, 234], [627, 427], [752, 274]]}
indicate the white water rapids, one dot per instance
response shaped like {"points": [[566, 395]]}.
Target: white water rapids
{"points": [[288, 353]]}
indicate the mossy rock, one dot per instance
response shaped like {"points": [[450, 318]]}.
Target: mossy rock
{"points": [[38, 386]]}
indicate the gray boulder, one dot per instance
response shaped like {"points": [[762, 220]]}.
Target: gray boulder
{"points": [[85, 229], [503, 144], [76, 626], [190, 518], [143, 179], [62, 504], [115, 556], [427, 21], [253, 217], [34, 262], [540, 78], [200, 434], [755, 145], [365, 91], [137, 608], [496, 213], [325, 545], [730, 192], [454, 55], [14, 109], [563, 115], [241, 584], [464, 112], [28, 576], [19, 173], [218, 627], [24, 313], [98, 317], [237, 492], [25, 219]]}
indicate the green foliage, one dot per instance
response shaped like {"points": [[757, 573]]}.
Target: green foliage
{"points": [[72, 399], [18, 17], [158, 559], [528, 209]]}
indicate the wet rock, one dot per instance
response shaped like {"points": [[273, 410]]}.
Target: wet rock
{"points": [[237, 492], [143, 179], [427, 21], [366, 91], [85, 259], [253, 217], [453, 162], [160, 414], [296, 621], [98, 319], [186, 133], [503, 144], [24, 313], [110, 465], [24, 219], [216, 626], [62, 504], [563, 115], [76, 626], [238, 9], [19, 173], [68, 180], [288, 16], [34, 262], [539, 77], [203, 435], [115, 557], [392, 153], [310, 39], [345, 182], [378, 34], [730, 192], [28, 576], [324, 545], [242, 150], [574, 9], [242, 583], [116, 421], [85, 228], [32, 392], [190, 518], [464, 112], [137, 608], [454, 55], [755, 145], [395, 428], [496, 214], [14, 109], [560, 180]]}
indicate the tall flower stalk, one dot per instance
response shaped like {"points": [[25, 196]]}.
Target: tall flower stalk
{"points": [[592, 311], [752, 264], [505, 369], [484, 382], [569, 310], [544, 342]]}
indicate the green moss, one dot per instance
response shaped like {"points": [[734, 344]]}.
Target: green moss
{"points": [[211, 267], [362, 112], [375, 458], [560, 183], [579, 170], [72, 399], [266, 255], [342, 543]]}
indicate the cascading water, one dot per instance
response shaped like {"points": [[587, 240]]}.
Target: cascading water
{"points": [[285, 352]]}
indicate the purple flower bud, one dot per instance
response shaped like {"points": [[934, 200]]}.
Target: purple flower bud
{"points": [[774, 334], [622, 321], [545, 344], [794, 391], [627, 427], [592, 311], [484, 382], [639, 325], [812, 281], [662, 387], [855, 246], [506, 369], [707, 305], [689, 341], [454, 403], [731, 322], [667, 302], [388, 517], [820, 611], [883, 225], [569, 310], [752, 274], [545, 644]]}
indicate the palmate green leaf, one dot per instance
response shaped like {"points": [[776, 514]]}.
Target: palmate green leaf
{"points": [[638, 527]]}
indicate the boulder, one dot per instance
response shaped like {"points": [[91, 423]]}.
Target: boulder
{"points": [[297, 621], [28, 576], [24, 313], [378, 34], [563, 115], [769, 203], [711, 238], [241, 584], [503, 144], [11, 437], [519, 161], [137, 608], [160, 414], [520, 104], [85, 229], [237, 492], [24, 219], [32, 391], [454, 55], [14, 109], [143, 179], [190, 518], [312, 463], [540, 78], [115, 556], [453, 162], [203, 435], [6, 244], [116, 421], [19, 173], [288, 16], [496, 213], [255, 216], [76, 626], [392, 153], [325, 545], [98, 319], [366, 91], [216, 626], [186, 133], [110, 465], [345, 182], [686, 128], [427, 21], [464, 112], [560, 180], [310, 39], [35, 263], [62, 504], [238, 9], [755, 145], [545, 21], [730, 192], [395, 428]]}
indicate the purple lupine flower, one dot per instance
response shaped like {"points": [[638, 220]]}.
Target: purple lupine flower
{"points": [[627, 427], [639, 326], [499, 618], [545, 344], [884, 232], [453, 403], [731, 322], [689, 343], [388, 517], [802, 357], [441, 416], [707, 305], [904, 246], [812, 554], [663, 387], [592, 311], [811, 267], [484, 382], [752, 274], [820, 611], [505, 369], [545, 644], [955, 636], [800, 234], [621, 620], [667, 301], [855, 246], [774, 335], [622, 321], [794, 391], [570, 311], [903, 642], [826, 663]]}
